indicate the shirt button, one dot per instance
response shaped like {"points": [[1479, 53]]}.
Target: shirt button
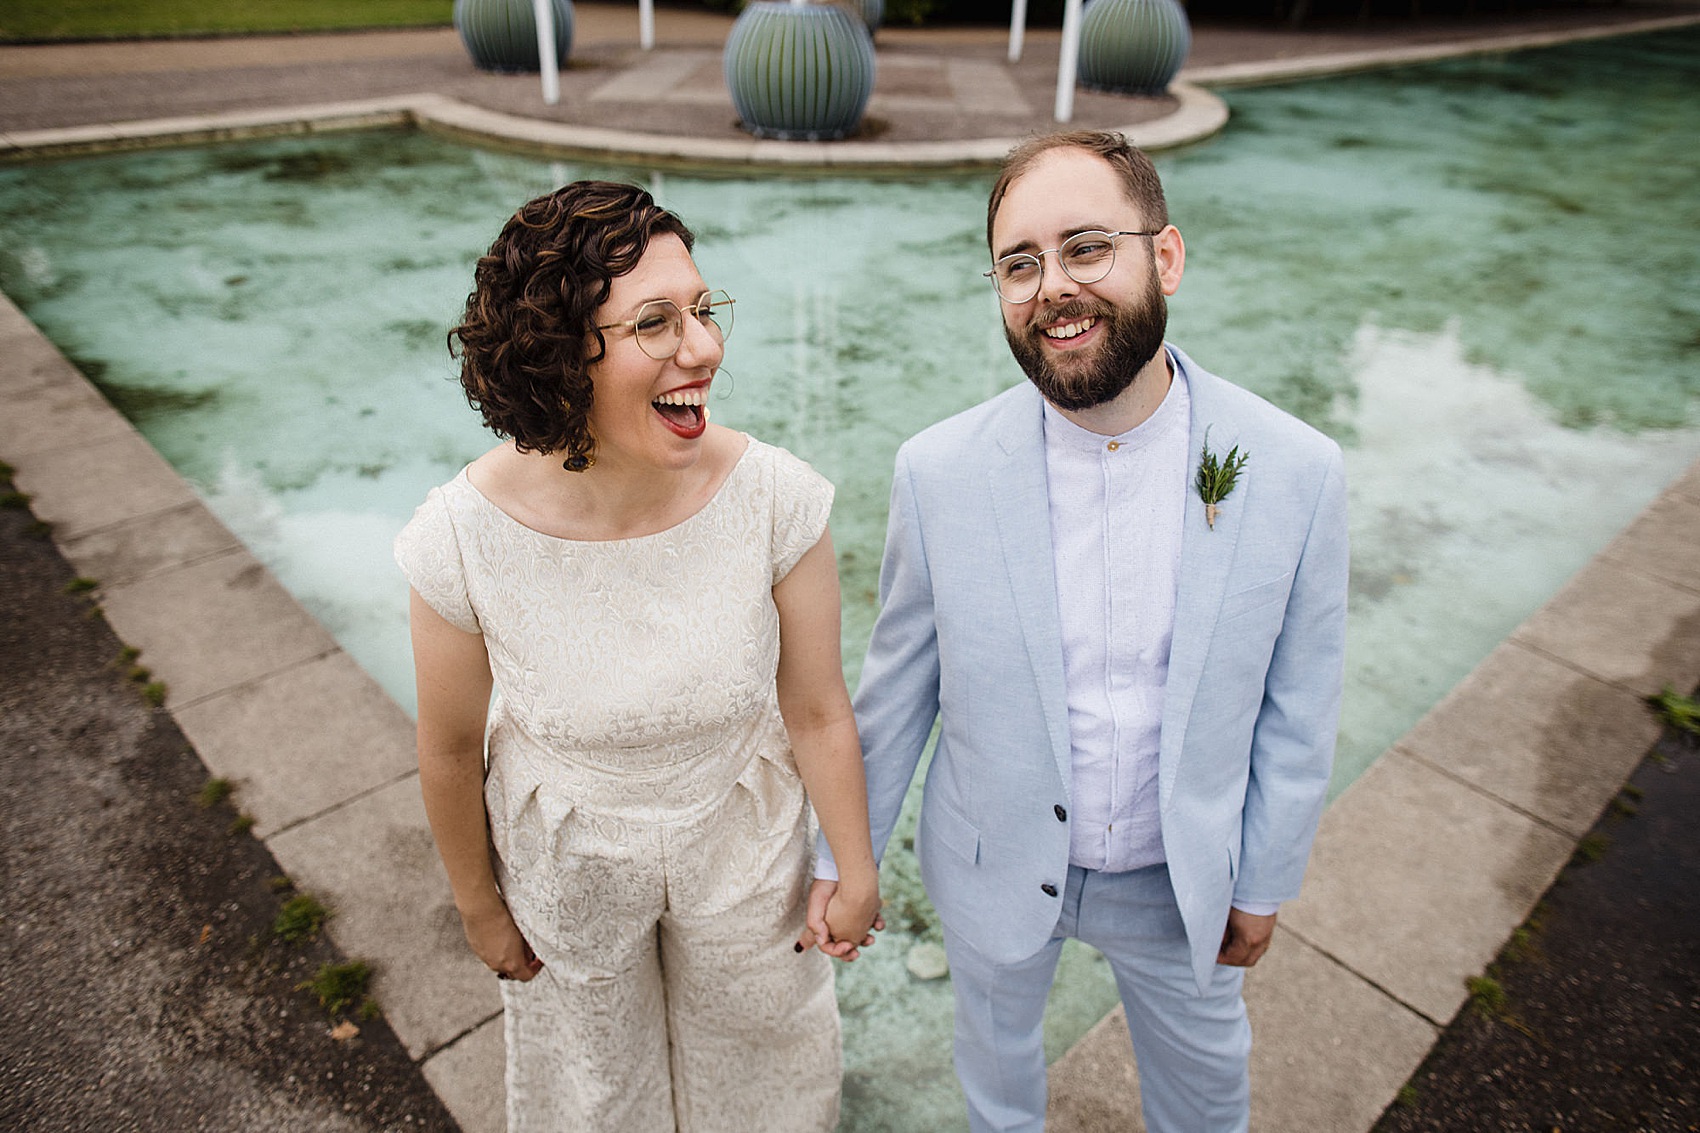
{"points": [[1048, 889], [1113, 445], [1062, 815]]}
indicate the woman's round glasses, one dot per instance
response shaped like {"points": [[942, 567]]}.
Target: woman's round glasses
{"points": [[660, 324], [1085, 257]]}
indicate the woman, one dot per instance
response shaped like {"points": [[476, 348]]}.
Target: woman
{"points": [[655, 600]]}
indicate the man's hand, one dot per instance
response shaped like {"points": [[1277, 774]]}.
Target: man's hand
{"points": [[1246, 939]]}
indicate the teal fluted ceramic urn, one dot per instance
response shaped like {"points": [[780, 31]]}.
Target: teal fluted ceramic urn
{"points": [[1132, 46], [501, 35], [800, 72]]}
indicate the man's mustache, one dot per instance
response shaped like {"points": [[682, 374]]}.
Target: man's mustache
{"points": [[1067, 313]]}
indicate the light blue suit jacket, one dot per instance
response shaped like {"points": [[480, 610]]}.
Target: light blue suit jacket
{"points": [[968, 634]]}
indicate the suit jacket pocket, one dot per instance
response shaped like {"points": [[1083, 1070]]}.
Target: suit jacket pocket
{"points": [[1254, 598], [943, 823]]}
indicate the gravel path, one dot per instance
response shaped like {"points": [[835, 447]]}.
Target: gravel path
{"points": [[141, 984]]}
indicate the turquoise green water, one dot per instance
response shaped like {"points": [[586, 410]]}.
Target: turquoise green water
{"points": [[1481, 277]]}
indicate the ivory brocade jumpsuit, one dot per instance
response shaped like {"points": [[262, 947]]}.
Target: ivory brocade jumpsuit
{"points": [[649, 829]]}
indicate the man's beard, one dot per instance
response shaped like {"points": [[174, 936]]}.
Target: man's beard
{"points": [[1132, 337]]}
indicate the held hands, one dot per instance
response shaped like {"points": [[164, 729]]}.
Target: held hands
{"points": [[499, 943], [842, 918], [1246, 939]]}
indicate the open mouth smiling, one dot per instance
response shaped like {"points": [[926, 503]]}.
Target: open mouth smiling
{"points": [[1064, 331], [684, 410]]}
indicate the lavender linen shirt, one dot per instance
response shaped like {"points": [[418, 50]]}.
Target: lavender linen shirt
{"points": [[1116, 506]]}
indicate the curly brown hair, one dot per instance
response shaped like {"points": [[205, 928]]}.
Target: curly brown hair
{"points": [[525, 340]]}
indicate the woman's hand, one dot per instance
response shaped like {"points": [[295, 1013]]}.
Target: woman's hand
{"points": [[842, 919], [498, 942]]}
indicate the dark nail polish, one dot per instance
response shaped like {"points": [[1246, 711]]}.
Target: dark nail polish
{"points": [[798, 946]]}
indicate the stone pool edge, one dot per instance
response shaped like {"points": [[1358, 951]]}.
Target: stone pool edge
{"points": [[1423, 867], [1198, 115]]}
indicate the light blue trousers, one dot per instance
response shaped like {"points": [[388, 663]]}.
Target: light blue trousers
{"points": [[1192, 1050]]}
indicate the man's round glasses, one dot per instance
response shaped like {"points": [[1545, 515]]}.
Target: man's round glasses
{"points": [[660, 324], [1085, 257]]}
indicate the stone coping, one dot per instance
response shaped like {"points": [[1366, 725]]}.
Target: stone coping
{"points": [[1198, 115], [1422, 868]]}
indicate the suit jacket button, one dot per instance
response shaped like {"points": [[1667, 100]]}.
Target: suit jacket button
{"points": [[1062, 815], [1048, 889]]}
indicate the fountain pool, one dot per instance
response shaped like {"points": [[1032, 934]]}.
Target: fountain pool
{"points": [[1465, 272]]}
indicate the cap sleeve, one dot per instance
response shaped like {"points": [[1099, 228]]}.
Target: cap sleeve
{"points": [[802, 502], [428, 552]]}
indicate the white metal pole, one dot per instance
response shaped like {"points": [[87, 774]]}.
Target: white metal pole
{"points": [[1068, 60], [646, 24], [1017, 29], [548, 64]]}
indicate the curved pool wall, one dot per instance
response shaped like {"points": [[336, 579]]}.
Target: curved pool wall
{"points": [[1451, 322]]}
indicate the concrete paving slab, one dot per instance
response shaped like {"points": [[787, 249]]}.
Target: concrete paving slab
{"points": [[1550, 741], [1094, 1088], [1688, 484], [143, 546], [49, 404], [652, 78], [92, 484], [50, 407], [373, 862], [1663, 541], [1329, 1051], [213, 625], [1622, 626], [1416, 880], [468, 1076], [302, 741], [984, 86]]}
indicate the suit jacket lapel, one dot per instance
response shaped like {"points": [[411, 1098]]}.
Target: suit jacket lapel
{"points": [[1021, 504], [1206, 556]]}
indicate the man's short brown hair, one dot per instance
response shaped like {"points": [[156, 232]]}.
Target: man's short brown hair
{"points": [[1139, 176]]}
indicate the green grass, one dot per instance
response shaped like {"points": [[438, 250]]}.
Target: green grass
{"points": [[35, 20], [1487, 994], [340, 986], [1678, 711], [213, 792], [1591, 849], [301, 917]]}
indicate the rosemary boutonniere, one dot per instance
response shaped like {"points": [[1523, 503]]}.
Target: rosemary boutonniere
{"points": [[1217, 478]]}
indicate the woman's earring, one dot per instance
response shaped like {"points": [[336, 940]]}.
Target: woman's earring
{"points": [[731, 383], [579, 462]]}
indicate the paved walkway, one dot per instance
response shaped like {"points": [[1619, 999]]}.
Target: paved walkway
{"points": [[1423, 868], [946, 96]]}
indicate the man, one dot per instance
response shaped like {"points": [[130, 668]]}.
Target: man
{"points": [[1135, 668]]}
